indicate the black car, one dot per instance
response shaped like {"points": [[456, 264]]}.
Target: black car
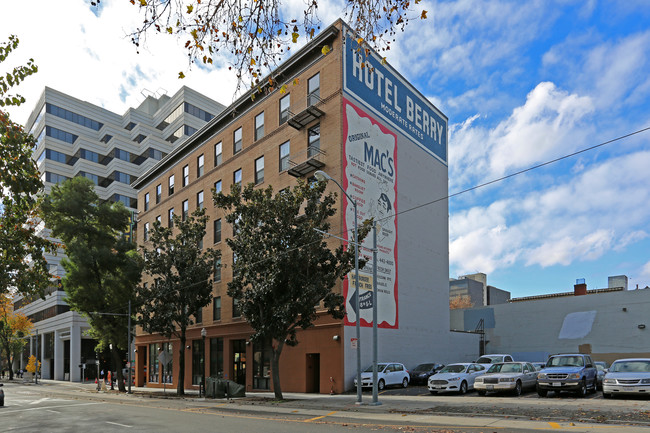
{"points": [[421, 373]]}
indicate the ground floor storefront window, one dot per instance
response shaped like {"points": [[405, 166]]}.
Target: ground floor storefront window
{"points": [[168, 368], [154, 365], [216, 357], [262, 366]]}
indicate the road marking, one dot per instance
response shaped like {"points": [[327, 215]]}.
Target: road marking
{"points": [[53, 411], [40, 400], [554, 425], [47, 407], [121, 425], [319, 417]]}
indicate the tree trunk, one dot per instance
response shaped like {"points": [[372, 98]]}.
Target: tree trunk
{"points": [[117, 362], [180, 387], [11, 367], [275, 370]]}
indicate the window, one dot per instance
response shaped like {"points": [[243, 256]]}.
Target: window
{"points": [[72, 117], [186, 210], [89, 155], [217, 277], [198, 370], [198, 316], [236, 312], [314, 141], [236, 178], [217, 186], [122, 177], [167, 376], [178, 111], [140, 138], [130, 126], [285, 103], [146, 232], [155, 154], [216, 357], [217, 230], [60, 135], [313, 90], [159, 219], [146, 202], [261, 366], [199, 200], [158, 193], [259, 170], [237, 141], [171, 184], [200, 164], [55, 156], [170, 218], [197, 112], [259, 126], [284, 156], [90, 176], [54, 178], [123, 155], [218, 153], [186, 175], [154, 365]]}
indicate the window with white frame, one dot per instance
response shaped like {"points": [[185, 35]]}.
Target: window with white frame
{"points": [[285, 103], [284, 156], [313, 90], [217, 186], [218, 153], [314, 140], [146, 202], [170, 218], [186, 210], [236, 177], [259, 126], [199, 200], [200, 165], [171, 184], [259, 170], [186, 175], [237, 141]]}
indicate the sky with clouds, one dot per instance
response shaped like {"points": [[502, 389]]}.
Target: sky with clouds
{"points": [[522, 82]]}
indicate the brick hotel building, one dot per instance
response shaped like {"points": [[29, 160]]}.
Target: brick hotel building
{"points": [[386, 144]]}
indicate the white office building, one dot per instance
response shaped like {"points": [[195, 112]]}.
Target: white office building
{"points": [[78, 138]]}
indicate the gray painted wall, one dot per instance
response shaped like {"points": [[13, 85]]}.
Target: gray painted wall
{"points": [[604, 324]]}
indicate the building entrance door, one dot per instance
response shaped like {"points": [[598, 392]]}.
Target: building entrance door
{"points": [[239, 361], [313, 373]]}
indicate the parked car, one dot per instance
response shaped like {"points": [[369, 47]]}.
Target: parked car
{"points": [[487, 360], [567, 372], [2, 396], [601, 367], [455, 378], [627, 376], [538, 365], [507, 376], [421, 373], [388, 373]]}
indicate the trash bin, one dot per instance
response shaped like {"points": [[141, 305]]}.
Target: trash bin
{"points": [[218, 388]]}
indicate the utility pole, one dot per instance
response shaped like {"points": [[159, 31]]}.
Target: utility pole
{"points": [[128, 349]]}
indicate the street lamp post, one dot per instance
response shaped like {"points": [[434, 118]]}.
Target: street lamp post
{"points": [[203, 334], [322, 176]]}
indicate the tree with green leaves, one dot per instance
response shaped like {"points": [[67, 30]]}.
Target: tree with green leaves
{"points": [[23, 267], [181, 280], [253, 36], [284, 268], [14, 326], [103, 267]]}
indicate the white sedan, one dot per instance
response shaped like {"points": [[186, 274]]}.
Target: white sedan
{"points": [[455, 378], [627, 376], [388, 373]]}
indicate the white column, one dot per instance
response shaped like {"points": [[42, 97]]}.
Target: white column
{"points": [[75, 352], [45, 366], [58, 356]]}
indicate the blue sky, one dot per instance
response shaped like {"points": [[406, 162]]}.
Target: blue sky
{"points": [[521, 82]]}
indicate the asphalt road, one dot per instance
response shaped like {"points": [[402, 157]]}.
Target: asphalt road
{"points": [[61, 407]]}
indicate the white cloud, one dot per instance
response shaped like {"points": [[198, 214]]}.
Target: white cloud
{"points": [[605, 207]]}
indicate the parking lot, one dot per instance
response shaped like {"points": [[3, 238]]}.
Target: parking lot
{"points": [[421, 390]]}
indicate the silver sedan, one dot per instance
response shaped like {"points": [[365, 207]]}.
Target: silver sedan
{"points": [[507, 377], [627, 376]]}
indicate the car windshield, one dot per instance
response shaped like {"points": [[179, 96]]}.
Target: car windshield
{"points": [[488, 359], [631, 367], [380, 368], [457, 368], [505, 368], [566, 361], [424, 367]]}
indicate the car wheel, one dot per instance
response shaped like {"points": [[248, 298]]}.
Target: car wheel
{"points": [[582, 391], [517, 390], [594, 388], [463, 387], [542, 392], [606, 395], [480, 392], [381, 384], [405, 383]]}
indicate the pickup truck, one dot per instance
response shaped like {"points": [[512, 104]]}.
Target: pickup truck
{"points": [[568, 372]]}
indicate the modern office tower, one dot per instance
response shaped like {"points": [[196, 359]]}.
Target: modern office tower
{"points": [[78, 138]]}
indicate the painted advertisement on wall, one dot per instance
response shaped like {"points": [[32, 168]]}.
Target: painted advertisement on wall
{"points": [[370, 178], [388, 95]]}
